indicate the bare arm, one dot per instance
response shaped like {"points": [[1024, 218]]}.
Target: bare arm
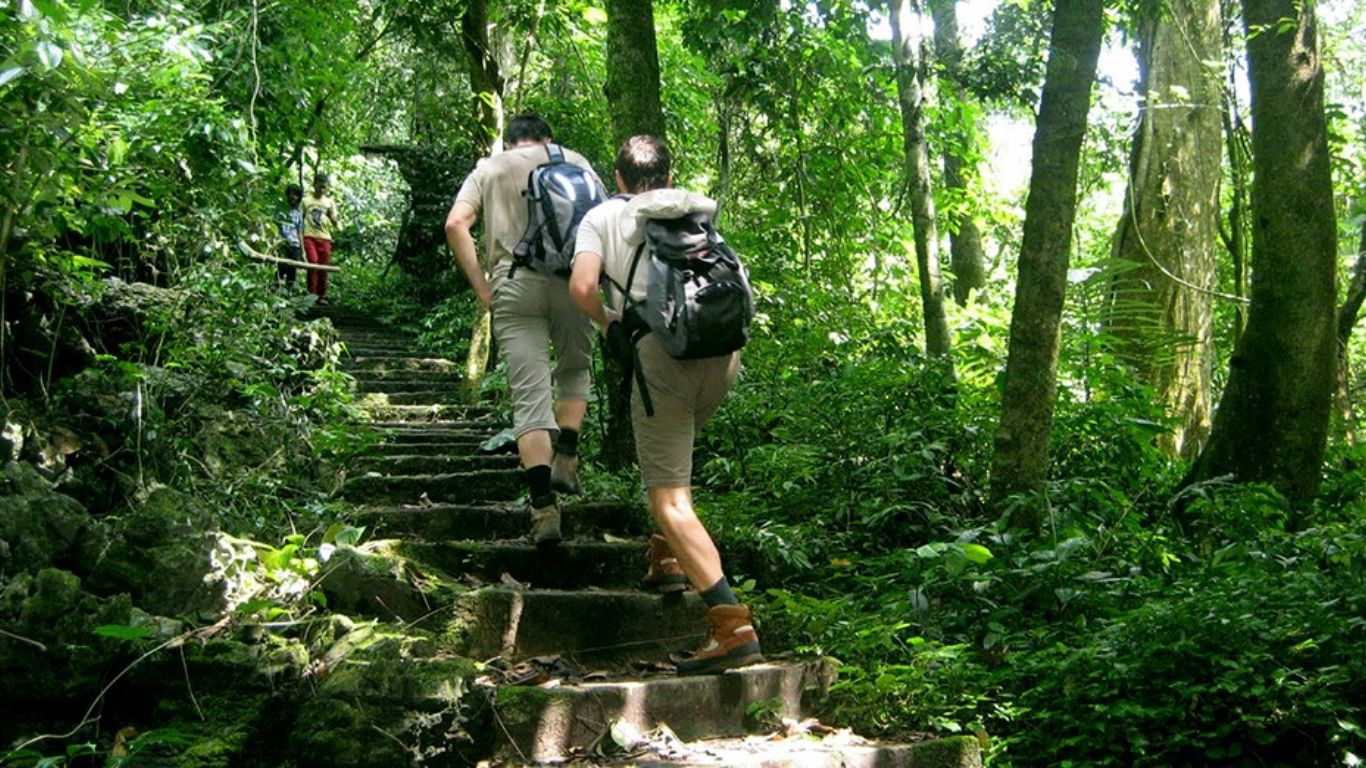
{"points": [[583, 288], [459, 223]]}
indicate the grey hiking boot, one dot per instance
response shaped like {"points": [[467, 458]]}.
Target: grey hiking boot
{"points": [[545, 525], [564, 473]]}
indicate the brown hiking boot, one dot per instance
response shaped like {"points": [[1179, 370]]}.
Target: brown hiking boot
{"points": [[564, 473], [665, 575], [731, 642], [545, 525]]}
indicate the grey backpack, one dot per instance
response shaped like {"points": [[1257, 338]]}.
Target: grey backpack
{"points": [[558, 193], [698, 300]]}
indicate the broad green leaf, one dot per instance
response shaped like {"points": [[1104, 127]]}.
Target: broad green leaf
{"points": [[49, 54], [9, 75], [122, 632], [976, 553]]}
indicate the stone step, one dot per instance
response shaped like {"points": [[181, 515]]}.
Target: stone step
{"points": [[838, 750], [438, 412], [389, 386], [453, 395], [391, 462], [593, 629], [453, 444], [463, 522], [370, 363], [539, 724], [365, 376], [398, 349], [452, 488], [574, 564]]}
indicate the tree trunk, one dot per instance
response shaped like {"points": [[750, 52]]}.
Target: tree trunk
{"points": [[911, 93], [1021, 459], [966, 257], [486, 82], [632, 91], [1348, 315], [1272, 423], [632, 86], [1169, 229]]}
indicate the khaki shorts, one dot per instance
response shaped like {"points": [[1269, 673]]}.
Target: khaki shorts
{"points": [[684, 393], [530, 313]]}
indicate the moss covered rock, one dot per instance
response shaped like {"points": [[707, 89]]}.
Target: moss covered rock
{"points": [[160, 554], [40, 527]]}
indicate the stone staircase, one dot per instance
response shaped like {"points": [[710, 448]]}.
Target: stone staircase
{"points": [[588, 648]]}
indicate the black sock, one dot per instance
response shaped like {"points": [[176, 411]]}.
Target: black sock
{"points": [[568, 442], [719, 594], [538, 480]]}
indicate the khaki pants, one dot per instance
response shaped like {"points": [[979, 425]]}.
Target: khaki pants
{"points": [[530, 313], [684, 393]]}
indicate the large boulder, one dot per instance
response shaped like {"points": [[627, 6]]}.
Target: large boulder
{"points": [[161, 554], [40, 527]]}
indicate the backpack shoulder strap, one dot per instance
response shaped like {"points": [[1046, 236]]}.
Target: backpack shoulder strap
{"points": [[555, 152]]}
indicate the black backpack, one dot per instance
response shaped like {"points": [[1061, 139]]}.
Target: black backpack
{"points": [[558, 193], [698, 300]]}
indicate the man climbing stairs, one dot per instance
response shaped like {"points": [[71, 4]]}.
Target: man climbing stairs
{"points": [[576, 656]]}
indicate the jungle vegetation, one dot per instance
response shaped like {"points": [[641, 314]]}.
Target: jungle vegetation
{"points": [[1050, 430]]}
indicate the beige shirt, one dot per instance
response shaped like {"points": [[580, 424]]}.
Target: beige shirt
{"points": [[494, 189], [615, 229], [318, 215]]}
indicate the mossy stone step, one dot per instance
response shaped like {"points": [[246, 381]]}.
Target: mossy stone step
{"points": [[453, 488], [452, 395], [397, 350], [435, 463], [573, 564], [460, 522], [836, 751], [445, 413], [364, 376], [443, 383], [591, 628], [371, 363], [540, 724]]}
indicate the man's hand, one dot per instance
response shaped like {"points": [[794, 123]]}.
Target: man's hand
{"points": [[613, 316], [485, 295]]}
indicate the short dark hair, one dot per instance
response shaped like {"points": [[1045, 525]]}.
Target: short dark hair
{"points": [[528, 126], [321, 178], [643, 162], [294, 189]]}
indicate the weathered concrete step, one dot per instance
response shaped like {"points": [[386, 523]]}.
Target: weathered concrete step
{"points": [[546, 724], [460, 522], [399, 350], [404, 364], [449, 414], [434, 462], [451, 444], [574, 564], [452, 395], [591, 628], [365, 376], [840, 750], [452, 488], [443, 383]]}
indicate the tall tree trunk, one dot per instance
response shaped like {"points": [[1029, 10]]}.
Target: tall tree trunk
{"points": [[486, 82], [1169, 229], [632, 86], [1272, 423], [1239, 229], [1348, 315], [966, 257], [1021, 459], [910, 90], [632, 91]]}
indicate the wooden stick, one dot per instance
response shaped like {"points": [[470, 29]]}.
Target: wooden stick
{"points": [[255, 254]]}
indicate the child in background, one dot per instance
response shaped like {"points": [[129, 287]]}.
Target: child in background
{"points": [[291, 223]]}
